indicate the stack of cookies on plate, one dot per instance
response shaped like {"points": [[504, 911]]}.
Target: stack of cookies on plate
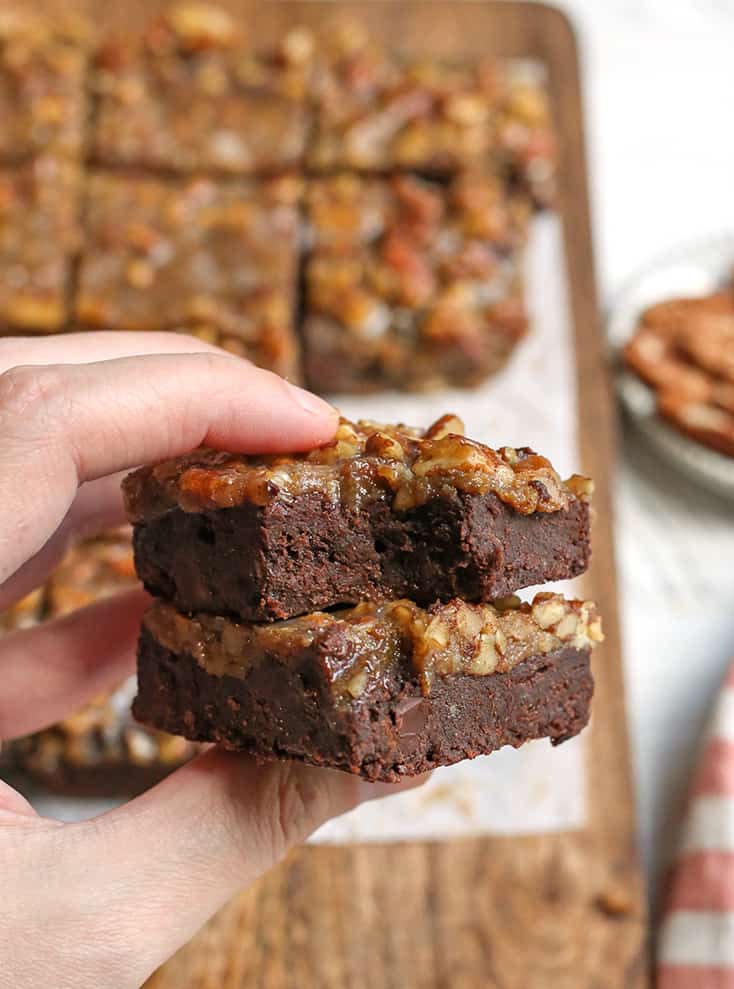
{"points": [[684, 350]]}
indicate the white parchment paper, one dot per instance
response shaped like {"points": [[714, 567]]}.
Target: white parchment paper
{"points": [[537, 788]]}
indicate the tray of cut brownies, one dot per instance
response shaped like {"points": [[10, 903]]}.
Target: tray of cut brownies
{"points": [[313, 193], [387, 204]]}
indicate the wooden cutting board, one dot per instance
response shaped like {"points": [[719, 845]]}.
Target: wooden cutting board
{"points": [[562, 911]]}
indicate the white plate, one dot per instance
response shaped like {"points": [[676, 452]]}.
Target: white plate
{"points": [[698, 269]]}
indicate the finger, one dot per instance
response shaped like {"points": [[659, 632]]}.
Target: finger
{"points": [[97, 508], [87, 348], [63, 425], [196, 839], [52, 670], [98, 505]]}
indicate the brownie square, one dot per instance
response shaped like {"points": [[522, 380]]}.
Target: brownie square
{"points": [[39, 241], [380, 512], [383, 691], [217, 259], [188, 97], [524, 135], [378, 112], [42, 85], [412, 284]]}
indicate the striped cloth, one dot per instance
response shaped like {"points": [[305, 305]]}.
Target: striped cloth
{"points": [[696, 946]]}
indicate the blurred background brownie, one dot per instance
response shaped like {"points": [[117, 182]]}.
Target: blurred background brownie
{"points": [[412, 284], [378, 111], [43, 69], [100, 750], [24, 614], [217, 259], [40, 237], [191, 97]]}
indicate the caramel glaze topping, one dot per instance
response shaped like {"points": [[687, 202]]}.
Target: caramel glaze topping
{"points": [[365, 461], [359, 647]]}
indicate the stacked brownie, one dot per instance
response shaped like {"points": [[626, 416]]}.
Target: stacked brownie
{"points": [[319, 204], [684, 349], [100, 750], [353, 606]]}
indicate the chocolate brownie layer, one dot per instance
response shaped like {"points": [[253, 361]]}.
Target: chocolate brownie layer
{"points": [[241, 561], [382, 691], [380, 513]]}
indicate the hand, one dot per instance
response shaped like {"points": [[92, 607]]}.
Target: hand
{"points": [[103, 903]]}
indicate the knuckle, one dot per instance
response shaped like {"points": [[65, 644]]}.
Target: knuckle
{"points": [[211, 363], [28, 391], [296, 807], [215, 361]]}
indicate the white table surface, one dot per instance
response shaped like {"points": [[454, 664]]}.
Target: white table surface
{"points": [[659, 78]]}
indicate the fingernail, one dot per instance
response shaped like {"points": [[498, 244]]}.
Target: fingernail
{"points": [[311, 403]]}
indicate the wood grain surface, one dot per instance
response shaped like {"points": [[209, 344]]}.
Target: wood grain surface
{"points": [[551, 912]]}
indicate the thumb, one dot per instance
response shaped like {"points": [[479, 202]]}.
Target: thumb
{"points": [[168, 860]]}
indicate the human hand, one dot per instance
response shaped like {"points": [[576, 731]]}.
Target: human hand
{"points": [[102, 903]]}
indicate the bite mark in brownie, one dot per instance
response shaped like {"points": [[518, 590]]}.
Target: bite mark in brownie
{"points": [[384, 691], [380, 512]]}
